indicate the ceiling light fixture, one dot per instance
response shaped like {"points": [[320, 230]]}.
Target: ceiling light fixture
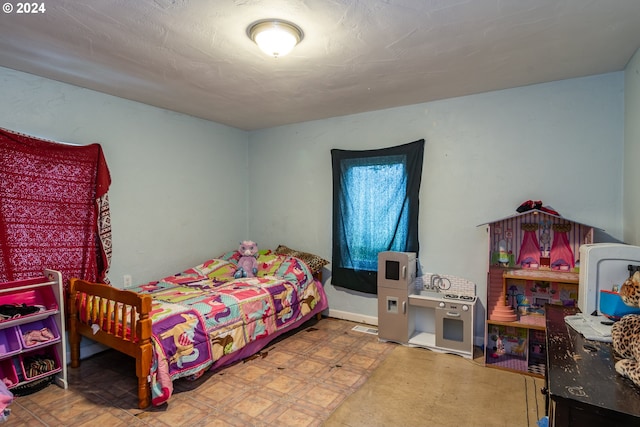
{"points": [[275, 37]]}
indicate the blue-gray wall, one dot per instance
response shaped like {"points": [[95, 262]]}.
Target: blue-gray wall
{"points": [[560, 142], [186, 189], [179, 187], [632, 151]]}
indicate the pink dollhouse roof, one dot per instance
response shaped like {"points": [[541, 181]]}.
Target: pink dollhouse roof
{"points": [[536, 212]]}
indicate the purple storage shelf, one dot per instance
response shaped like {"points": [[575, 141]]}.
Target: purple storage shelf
{"points": [[38, 325], [49, 352], [8, 373], [41, 297], [9, 342], [36, 296]]}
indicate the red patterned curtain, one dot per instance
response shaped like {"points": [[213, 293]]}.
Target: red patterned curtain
{"points": [[54, 209]]}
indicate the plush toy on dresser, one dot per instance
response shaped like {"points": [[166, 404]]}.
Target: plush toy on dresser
{"points": [[248, 262], [625, 333]]}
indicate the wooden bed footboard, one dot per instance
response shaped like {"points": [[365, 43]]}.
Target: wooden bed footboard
{"points": [[116, 318]]}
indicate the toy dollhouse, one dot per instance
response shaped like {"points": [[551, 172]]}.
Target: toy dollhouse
{"points": [[533, 261], [537, 240]]}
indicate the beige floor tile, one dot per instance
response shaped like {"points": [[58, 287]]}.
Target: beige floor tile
{"points": [[253, 405], [344, 340], [283, 383], [296, 418], [297, 381], [361, 361], [329, 353], [251, 373], [279, 358], [347, 377]]}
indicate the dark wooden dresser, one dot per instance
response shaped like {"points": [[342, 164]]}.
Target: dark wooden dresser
{"points": [[583, 388]]}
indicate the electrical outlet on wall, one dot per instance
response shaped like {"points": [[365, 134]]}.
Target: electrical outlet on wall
{"points": [[127, 280]]}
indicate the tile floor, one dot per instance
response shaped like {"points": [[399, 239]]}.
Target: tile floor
{"points": [[298, 380]]}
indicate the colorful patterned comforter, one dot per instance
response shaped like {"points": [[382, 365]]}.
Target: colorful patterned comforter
{"points": [[202, 317]]}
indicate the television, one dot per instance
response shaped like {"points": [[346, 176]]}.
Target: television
{"points": [[396, 270]]}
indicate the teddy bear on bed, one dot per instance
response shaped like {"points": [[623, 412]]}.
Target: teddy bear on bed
{"points": [[625, 333], [248, 262]]}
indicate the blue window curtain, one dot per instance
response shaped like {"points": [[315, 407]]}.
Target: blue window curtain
{"points": [[375, 209]]}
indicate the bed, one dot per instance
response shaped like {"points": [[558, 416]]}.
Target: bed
{"points": [[199, 319]]}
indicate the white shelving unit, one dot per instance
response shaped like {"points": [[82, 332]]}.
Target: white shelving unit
{"points": [[46, 293]]}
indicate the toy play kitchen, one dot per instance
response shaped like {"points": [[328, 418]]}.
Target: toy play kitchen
{"points": [[453, 315], [432, 311]]}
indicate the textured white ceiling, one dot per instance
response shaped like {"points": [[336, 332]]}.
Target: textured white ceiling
{"points": [[193, 56]]}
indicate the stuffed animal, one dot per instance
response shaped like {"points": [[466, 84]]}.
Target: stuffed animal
{"points": [[248, 263], [625, 333]]}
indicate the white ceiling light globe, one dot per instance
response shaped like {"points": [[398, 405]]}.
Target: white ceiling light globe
{"points": [[275, 38]]}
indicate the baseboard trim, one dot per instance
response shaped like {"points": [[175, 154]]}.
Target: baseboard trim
{"points": [[88, 348], [353, 317], [370, 320], [91, 349]]}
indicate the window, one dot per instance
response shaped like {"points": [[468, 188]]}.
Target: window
{"points": [[375, 208]]}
